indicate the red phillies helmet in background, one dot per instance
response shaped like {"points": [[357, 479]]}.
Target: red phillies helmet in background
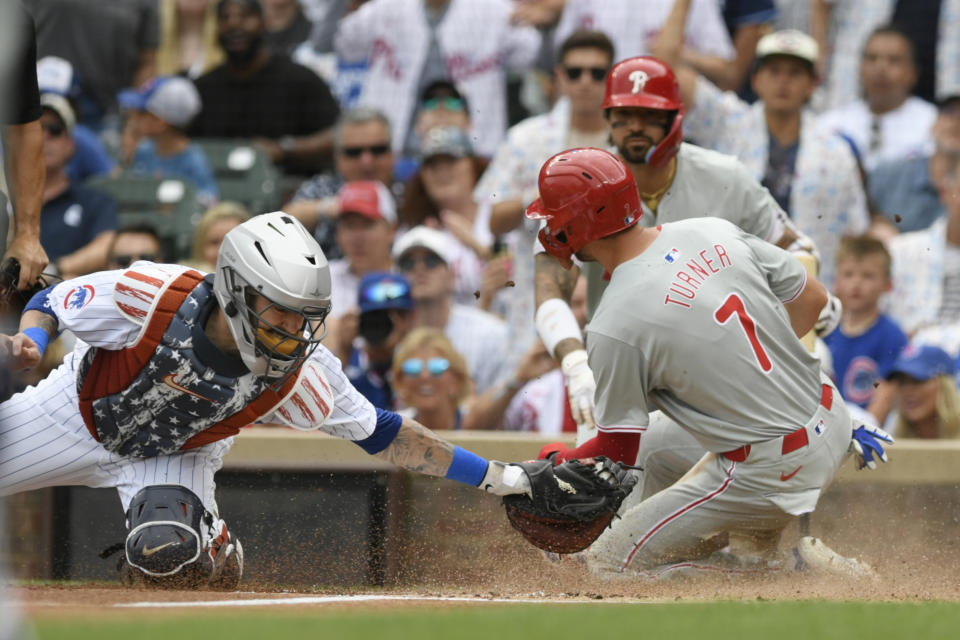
{"points": [[650, 83], [585, 194]]}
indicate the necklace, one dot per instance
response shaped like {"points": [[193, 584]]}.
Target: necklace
{"points": [[652, 200]]}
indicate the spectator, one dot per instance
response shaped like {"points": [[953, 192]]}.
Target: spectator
{"points": [[409, 44], [867, 342], [887, 123], [22, 138], [423, 255], [441, 105], [215, 223], [903, 189], [55, 75], [110, 50], [77, 224], [361, 152], [431, 379], [366, 226], [440, 195], [286, 108], [188, 38], [164, 108], [133, 243], [926, 394], [811, 172], [633, 32], [385, 318], [287, 26]]}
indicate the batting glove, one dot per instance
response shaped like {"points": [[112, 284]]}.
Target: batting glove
{"points": [[580, 386], [867, 441], [830, 317], [551, 451]]}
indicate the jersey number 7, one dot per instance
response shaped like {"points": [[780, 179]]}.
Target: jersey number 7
{"points": [[733, 305]]}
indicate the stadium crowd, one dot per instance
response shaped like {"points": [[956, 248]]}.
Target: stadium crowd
{"points": [[408, 135]]}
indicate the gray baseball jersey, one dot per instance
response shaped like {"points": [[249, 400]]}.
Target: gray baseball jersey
{"points": [[706, 184]]}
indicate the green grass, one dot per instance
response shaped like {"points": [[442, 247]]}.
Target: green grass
{"points": [[802, 620]]}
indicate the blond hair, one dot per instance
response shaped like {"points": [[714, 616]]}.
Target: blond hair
{"points": [[168, 52], [429, 338], [947, 410], [860, 247], [223, 211]]}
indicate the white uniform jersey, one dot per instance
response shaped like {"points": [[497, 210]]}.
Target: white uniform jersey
{"points": [[695, 326], [707, 184]]}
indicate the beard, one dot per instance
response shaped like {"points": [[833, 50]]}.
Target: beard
{"points": [[244, 56], [630, 153]]}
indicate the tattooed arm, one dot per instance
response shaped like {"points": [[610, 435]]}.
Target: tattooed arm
{"points": [[418, 449], [21, 351], [551, 281]]}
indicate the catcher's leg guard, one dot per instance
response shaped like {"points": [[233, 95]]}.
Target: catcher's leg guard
{"points": [[174, 541]]}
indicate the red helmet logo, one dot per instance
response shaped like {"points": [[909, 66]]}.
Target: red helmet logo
{"points": [[585, 194]]}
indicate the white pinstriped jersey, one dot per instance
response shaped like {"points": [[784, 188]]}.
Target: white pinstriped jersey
{"points": [[696, 327]]}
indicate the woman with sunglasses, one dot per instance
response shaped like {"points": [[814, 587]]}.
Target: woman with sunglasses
{"points": [[430, 379]]}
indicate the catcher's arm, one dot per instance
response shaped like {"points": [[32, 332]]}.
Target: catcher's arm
{"points": [[25, 349], [418, 449]]}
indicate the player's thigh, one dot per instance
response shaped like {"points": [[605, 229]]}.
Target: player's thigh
{"points": [[37, 450], [667, 451], [193, 469]]}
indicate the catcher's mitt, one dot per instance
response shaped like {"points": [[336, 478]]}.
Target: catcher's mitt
{"points": [[12, 300], [572, 502]]}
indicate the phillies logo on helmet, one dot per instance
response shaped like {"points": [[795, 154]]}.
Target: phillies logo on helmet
{"points": [[639, 79]]}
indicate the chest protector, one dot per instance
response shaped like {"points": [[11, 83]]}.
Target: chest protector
{"points": [[156, 397]]}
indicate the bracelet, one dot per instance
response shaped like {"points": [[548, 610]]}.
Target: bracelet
{"points": [[39, 337], [467, 467]]}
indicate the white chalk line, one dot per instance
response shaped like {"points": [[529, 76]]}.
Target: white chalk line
{"points": [[261, 602]]}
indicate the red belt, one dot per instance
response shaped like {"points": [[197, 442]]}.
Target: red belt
{"points": [[793, 440]]}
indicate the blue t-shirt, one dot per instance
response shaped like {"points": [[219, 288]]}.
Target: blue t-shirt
{"points": [[90, 158], [190, 164], [365, 379], [74, 218], [859, 361]]}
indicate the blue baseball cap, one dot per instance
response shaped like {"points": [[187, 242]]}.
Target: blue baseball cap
{"points": [[173, 99], [384, 290], [922, 363]]}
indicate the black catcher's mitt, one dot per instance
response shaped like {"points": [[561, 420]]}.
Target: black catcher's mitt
{"points": [[572, 502], [12, 300]]}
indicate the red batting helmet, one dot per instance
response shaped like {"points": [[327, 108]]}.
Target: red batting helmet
{"points": [[585, 194], [648, 82]]}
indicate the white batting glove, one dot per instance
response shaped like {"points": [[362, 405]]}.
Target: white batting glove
{"points": [[868, 441], [580, 386], [830, 317]]}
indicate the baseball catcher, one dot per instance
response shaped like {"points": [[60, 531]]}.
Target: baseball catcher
{"points": [[571, 504]]}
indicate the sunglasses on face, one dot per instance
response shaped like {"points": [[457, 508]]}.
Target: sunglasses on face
{"points": [[374, 149], [53, 129], [450, 104], [429, 260], [414, 366], [597, 73], [124, 261]]}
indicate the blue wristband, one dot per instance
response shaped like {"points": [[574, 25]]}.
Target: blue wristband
{"points": [[467, 467], [39, 337]]}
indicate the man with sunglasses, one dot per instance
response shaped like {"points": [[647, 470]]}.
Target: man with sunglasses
{"points": [[170, 364], [133, 243], [77, 224]]}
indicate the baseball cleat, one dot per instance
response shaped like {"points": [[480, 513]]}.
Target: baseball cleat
{"points": [[814, 556]]}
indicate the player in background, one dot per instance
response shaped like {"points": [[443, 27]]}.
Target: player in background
{"points": [[676, 181], [169, 365], [702, 321]]}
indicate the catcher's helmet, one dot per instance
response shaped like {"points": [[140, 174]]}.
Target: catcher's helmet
{"points": [[274, 256], [585, 194], [650, 83]]}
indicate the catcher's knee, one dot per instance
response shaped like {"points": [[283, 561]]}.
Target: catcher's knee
{"points": [[173, 540]]}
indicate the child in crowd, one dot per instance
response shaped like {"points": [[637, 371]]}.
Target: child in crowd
{"points": [[164, 108], [867, 342]]}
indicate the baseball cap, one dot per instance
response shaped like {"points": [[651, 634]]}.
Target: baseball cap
{"points": [[922, 363], [171, 98], [384, 290], [422, 237], [446, 141], [61, 106], [55, 75], [788, 42], [369, 198]]}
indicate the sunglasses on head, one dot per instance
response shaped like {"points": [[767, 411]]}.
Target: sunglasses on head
{"points": [[597, 73], [54, 129], [429, 260], [414, 366], [374, 149], [449, 103], [124, 261]]}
